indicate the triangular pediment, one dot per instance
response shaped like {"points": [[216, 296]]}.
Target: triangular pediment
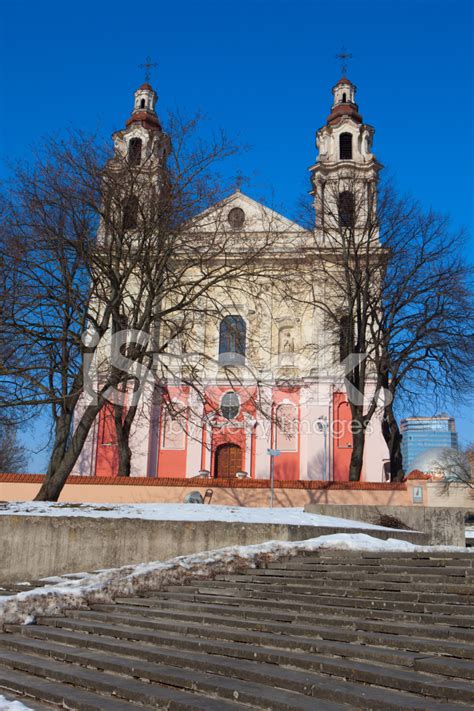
{"points": [[241, 213]]}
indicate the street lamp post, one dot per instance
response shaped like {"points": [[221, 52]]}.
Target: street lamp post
{"points": [[273, 453]]}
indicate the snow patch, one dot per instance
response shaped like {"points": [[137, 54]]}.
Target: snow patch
{"points": [[130, 580], [7, 705], [183, 512]]}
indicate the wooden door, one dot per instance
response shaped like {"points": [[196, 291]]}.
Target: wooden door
{"points": [[228, 460]]}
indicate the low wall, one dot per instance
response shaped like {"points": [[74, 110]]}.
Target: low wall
{"points": [[443, 525], [458, 496], [39, 546], [247, 492]]}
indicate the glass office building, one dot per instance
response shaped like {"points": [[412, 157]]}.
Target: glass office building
{"points": [[421, 434]]}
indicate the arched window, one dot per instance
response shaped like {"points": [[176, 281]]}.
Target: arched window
{"points": [[230, 405], [286, 428], [232, 333], [346, 209], [135, 151], [130, 213], [345, 146], [142, 104], [344, 98]]}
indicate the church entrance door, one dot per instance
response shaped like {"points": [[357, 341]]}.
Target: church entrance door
{"points": [[228, 460]]}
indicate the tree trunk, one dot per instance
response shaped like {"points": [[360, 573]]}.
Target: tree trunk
{"points": [[123, 426], [124, 456], [61, 436], [358, 444], [65, 453], [393, 438], [123, 449]]}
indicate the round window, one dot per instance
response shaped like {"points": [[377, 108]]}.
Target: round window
{"points": [[236, 218], [230, 405]]}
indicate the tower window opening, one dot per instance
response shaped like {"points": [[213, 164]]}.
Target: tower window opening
{"points": [[346, 209], [344, 98], [142, 104], [345, 146], [135, 151], [130, 213]]}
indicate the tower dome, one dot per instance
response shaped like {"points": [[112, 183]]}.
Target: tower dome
{"points": [[144, 107], [344, 102]]}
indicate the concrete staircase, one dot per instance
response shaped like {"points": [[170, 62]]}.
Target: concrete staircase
{"points": [[321, 632]]}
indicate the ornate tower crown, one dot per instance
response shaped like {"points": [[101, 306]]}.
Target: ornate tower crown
{"points": [[144, 107], [344, 102]]}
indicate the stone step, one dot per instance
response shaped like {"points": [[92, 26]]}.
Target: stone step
{"points": [[172, 673], [206, 592], [288, 639], [56, 693], [375, 570], [460, 568], [319, 686], [389, 676], [438, 578], [310, 625], [323, 631], [447, 666], [296, 637], [436, 575], [461, 586], [284, 610], [128, 689], [447, 596], [382, 557]]}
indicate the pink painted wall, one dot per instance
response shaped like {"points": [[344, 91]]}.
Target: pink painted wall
{"points": [[244, 493], [342, 437]]}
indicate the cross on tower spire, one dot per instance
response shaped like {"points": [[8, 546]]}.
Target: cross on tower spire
{"points": [[147, 66], [344, 57]]}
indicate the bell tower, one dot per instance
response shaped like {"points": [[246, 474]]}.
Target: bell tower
{"points": [[345, 173], [143, 142]]}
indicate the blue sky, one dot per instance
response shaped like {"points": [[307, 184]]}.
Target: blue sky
{"points": [[263, 71]]}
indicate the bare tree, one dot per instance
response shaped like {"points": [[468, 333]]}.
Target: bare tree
{"points": [[396, 295], [456, 468], [100, 247], [424, 331], [13, 456]]}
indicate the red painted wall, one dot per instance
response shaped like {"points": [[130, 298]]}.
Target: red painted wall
{"points": [[107, 455], [341, 437], [172, 462], [287, 464]]}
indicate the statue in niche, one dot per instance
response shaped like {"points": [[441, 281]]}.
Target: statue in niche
{"points": [[287, 342], [322, 144]]}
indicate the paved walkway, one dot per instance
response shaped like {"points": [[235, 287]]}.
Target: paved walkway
{"points": [[326, 631]]}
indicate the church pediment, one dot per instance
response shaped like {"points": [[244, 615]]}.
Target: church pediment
{"points": [[240, 213]]}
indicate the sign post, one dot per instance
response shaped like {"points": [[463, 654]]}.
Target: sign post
{"points": [[273, 453]]}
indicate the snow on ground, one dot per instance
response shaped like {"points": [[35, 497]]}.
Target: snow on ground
{"points": [[183, 512], [104, 586], [7, 705]]}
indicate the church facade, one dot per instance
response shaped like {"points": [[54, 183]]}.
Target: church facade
{"points": [[285, 400]]}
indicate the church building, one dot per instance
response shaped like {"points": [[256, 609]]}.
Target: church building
{"points": [[302, 386]]}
